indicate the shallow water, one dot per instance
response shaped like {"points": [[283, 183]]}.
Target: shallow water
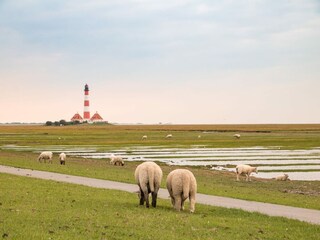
{"points": [[273, 158]]}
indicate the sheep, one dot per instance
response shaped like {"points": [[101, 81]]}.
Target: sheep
{"points": [[283, 177], [181, 185], [169, 136], [44, 156], [237, 136], [199, 136], [148, 176], [246, 169], [62, 158], [116, 160], [144, 137]]}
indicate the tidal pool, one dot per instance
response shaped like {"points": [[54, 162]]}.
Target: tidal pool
{"points": [[269, 159]]}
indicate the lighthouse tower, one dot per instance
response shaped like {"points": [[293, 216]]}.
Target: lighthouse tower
{"points": [[86, 111]]}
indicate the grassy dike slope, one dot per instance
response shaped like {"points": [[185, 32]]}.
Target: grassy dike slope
{"points": [[38, 209], [292, 193]]}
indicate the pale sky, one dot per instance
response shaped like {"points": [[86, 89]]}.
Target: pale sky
{"points": [[213, 62]]}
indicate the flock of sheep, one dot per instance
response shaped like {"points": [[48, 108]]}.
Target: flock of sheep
{"points": [[169, 136], [181, 183]]}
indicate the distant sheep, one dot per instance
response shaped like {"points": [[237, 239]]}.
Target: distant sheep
{"points": [[169, 136], [144, 137], [116, 160], [283, 177], [181, 185], [45, 156], [245, 169], [199, 136], [62, 158], [148, 176], [237, 136]]}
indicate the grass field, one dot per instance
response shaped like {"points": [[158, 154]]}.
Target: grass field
{"points": [[288, 136], [294, 193], [40, 209]]}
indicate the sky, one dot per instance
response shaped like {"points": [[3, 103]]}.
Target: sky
{"points": [[152, 61]]}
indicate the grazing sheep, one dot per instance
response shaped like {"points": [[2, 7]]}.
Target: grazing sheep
{"points": [[62, 158], [181, 185], [44, 156], [144, 137], [245, 169], [116, 160], [169, 136], [148, 176], [283, 177], [237, 136]]}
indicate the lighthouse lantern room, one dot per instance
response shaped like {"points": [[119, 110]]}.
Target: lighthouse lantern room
{"points": [[86, 110]]}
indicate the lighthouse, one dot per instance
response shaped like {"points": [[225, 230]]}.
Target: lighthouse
{"points": [[96, 118], [86, 110]]}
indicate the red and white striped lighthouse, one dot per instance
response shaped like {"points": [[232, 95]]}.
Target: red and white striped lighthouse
{"points": [[86, 111]]}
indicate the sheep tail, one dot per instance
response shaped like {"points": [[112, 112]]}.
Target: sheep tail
{"points": [[151, 180], [186, 191]]}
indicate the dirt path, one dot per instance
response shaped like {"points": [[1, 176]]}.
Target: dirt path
{"points": [[302, 214]]}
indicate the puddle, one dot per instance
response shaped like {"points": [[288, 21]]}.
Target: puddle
{"points": [[273, 158]]}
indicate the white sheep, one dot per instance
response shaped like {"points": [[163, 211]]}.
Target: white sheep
{"points": [[181, 185], [116, 160], [283, 177], [245, 169], [144, 137], [148, 176], [62, 158], [169, 136], [44, 156], [199, 136], [237, 136]]}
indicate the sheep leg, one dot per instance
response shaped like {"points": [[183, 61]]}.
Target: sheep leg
{"points": [[141, 195], [146, 197], [247, 177], [192, 203], [172, 201], [154, 199], [177, 204], [182, 204], [238, 176]]}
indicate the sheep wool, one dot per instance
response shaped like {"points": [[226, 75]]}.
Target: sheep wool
{"points": [[116, 160], [62, 158], [45, 156], [283, 177], [148, 176], [245, 169], [181, 185]]}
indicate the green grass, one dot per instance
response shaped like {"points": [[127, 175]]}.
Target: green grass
{"points": [[39, 209], [288, 136], [292, 193]]}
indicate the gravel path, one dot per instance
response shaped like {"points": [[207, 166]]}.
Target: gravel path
{"points": [[302, 214]]}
